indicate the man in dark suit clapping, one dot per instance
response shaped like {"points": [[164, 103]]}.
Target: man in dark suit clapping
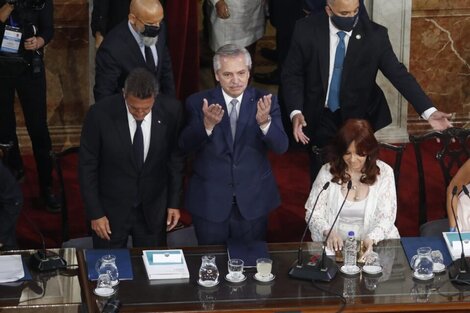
{"points": [[138, 42], [230, 131], [330, 74], [131, 170]]}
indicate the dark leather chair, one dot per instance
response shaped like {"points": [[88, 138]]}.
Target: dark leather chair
{"points": [[454, 150], [58, 162]]}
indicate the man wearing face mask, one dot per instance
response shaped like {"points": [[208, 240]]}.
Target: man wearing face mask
{"points": [[330, 71], [138, 42]]}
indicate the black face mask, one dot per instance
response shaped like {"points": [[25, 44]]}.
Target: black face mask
{"points": [[345, 23], [150, 31]]}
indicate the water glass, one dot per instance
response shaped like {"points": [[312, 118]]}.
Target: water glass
{"points": [[264, 267], [235, 269], [438, 261], [104, 287]]}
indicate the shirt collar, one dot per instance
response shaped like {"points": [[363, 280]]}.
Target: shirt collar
{"points": [[136, 35], [228, 98]]}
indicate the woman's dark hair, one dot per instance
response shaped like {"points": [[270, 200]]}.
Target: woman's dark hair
{"points": [[360, 132]]}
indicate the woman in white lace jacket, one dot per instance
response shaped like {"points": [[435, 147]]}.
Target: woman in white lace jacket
{"points": [[371, 205]]}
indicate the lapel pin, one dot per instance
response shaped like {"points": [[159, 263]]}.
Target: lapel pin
{"points": [[358, 36], [159, 122]]}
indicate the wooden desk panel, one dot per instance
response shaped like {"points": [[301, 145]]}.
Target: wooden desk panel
{"points": [[394, 291]]}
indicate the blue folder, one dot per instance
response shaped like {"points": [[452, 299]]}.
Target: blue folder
{"points": [[411, 244], [247, 251], [123, 262]]}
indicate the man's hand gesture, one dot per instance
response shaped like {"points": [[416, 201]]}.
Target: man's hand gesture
{"points": [[212, 114]]}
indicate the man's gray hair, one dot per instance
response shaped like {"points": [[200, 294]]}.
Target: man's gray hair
{"points": [[141, 84], [230, 50]]}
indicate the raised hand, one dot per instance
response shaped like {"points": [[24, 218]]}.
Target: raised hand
{"points": [[263, 109], [212, 114]]}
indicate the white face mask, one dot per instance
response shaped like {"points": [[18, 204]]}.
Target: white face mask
{"points": [[149, 41]]}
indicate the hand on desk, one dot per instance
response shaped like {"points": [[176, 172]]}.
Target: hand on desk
{"points": [[335, 242]]}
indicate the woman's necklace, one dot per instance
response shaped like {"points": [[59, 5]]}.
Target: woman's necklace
{"points": [[356, 187]]}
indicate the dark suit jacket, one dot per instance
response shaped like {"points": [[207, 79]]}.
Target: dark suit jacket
{"points": [[222, 169], [305, 73], [120, 53], [109, 180]]}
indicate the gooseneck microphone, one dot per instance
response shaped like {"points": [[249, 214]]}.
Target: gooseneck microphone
{"points": [[325, 269], [300, 252], [465, 190], [459, 271], [323, 255], [44, 260]]}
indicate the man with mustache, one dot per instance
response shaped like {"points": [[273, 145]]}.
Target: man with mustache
{"points": [[229, 132], [138, 42]]}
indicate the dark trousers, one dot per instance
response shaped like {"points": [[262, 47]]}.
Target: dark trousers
{"points": [[135, 226], [328, 127], [234, 227], [31, 89]]}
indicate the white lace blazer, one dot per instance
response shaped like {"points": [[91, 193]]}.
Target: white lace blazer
{"points": [[379, 214]]}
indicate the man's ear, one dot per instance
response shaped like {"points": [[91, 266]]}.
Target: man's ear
{"points": [[328, 10], [131, 18]]}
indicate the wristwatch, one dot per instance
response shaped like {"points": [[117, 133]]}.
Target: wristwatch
{"points": [[268, 119]]}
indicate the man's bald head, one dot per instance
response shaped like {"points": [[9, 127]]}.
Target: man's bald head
{"points": [[146, 11]]}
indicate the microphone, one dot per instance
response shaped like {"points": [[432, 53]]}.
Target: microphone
{"points": [[465, 190], [459, 270], [326, 269], [300, 252], [44, 260]]}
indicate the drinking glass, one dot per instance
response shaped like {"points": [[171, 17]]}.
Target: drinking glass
{"points": [[235, 269], [264, 267], [104, 287]]}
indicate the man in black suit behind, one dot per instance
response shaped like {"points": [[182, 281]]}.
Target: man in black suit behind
{"points": [[131, 170], [138, 42], [321, 89]]}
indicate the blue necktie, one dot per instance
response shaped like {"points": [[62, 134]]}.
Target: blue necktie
{"points": [[333, 96], [138, 145], [233, 117]]}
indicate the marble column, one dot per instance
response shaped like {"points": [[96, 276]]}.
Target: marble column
{"points": [[440, 57], [396, 16]]}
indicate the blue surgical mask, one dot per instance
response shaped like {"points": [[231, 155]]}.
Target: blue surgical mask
{"points": [[345, 23]]}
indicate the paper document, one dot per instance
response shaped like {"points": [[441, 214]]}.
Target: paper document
{"points": [[165, 264], [454, 245], [11, 268]]}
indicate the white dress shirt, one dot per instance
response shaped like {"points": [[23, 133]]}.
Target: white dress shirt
{"points": [[146, 129], [227, 100], [142, 46]]}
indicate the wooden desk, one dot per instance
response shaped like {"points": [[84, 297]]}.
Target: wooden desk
{"points": [[56, 291], [394, 291]]}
